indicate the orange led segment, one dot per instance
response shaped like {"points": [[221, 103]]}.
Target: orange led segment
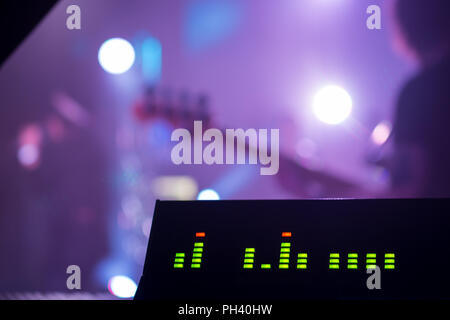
{"points": [[200, 234], [286, 234]]}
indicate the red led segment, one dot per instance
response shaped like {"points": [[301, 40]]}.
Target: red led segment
{"points": [[200, 234], [286, 234]]}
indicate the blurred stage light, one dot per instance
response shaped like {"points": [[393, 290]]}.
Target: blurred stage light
{"points": [[332, 104], [146, 226], [151, 60], [122, 286], [381, 133], [116, 55], [174, 187], [209, 22], [208, 194], [306, 148], [28, 155]]}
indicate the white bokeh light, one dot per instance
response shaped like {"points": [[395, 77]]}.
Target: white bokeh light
{"points": [[122, 287], [116, 55], [332, 104], [28, 155], [381, 133], [208, 194]]}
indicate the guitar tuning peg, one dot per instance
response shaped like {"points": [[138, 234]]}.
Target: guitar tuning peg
{"points": [[184, 97], [150, 91], [166, 94], [203, 106], [185, 105], [167, 103], [150, 100]]}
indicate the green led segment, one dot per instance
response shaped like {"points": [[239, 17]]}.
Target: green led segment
{"points": [[352, 261], [196, 261], [265, 266], [371, 260], [334, 261], [179, 260], [284, 255], [302, 260], [389, 261], [249, 256]]}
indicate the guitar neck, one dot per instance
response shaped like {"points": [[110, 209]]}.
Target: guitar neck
{"points": [[292, 175]]}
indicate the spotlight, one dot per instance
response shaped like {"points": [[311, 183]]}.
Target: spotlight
{"points": [[332, 104], [122, 286], [208, 194], [116, 55]]}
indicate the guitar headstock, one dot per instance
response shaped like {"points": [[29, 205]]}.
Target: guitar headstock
{"points": [[179, 109]]}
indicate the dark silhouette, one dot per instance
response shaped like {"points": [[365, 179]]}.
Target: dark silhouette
{"points": [[420, 166]]}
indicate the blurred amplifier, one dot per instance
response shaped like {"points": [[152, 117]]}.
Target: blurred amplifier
{"points": [[298, 249]]}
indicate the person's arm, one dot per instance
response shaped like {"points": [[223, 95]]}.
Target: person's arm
{"points": [[307, 183], [408, 168], [411, 135]]}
